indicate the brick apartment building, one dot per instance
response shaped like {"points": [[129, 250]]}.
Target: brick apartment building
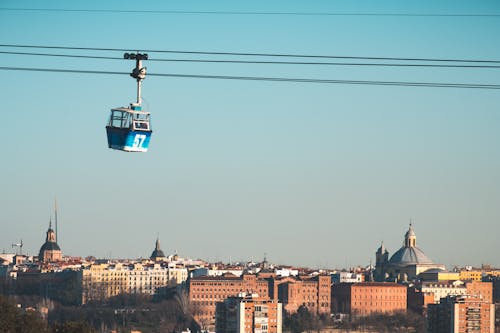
{"points": [[314, 293], [461, 314], [205, 292], [364, 299], [483, 290], [248, 313]]}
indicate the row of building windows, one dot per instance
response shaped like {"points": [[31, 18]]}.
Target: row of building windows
{"points": [[386, 304], [156, 278], [240, 287], [380, 290], [218, 293], [385, 297], [204, 283]]}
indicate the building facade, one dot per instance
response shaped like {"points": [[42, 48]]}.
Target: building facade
{"points": [[482, 290], [461, 314], [248, 313], [206, 291], [313, 293], [435, 274], [478, 274], [470, 274], [102, 281], [347, 277], [440, 290], [364, 299]]}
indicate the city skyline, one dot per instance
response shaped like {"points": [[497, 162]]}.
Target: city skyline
{"points": [[309, 173], [17, 248]]}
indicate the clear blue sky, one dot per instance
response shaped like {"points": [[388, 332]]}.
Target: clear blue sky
{"points": [[311, 174]]}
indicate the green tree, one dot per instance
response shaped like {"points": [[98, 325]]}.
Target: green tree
{"points": [[302, 320], [387, 322], [8, 315], [72, 327], [13, 319], [31, 322]]}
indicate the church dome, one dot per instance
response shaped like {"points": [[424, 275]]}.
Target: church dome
{"points": [[48, 246], [409, 256], [409, 253], [50, 251], [157, 252]]}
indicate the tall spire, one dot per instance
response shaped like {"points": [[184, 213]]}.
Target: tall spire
{"points": [[158, 242], [51, 237], [265, 264], [382, 249], [55, 215]]}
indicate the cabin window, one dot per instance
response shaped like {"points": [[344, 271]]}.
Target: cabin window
{"points": [[141, 125], [119, 119]]}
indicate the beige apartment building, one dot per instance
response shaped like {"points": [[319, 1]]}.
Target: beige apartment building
{"points": [[102, 281], [441, 290]]}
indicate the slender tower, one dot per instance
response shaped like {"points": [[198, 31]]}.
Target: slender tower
{"points": [[55, 216]]}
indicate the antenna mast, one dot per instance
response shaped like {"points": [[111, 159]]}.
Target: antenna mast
{"points": [[19, 246]]}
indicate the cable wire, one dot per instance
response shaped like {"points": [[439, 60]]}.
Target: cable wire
{"points": [[60, 55], [267, 13], [258, 62], [273, 79], [253, 54]]}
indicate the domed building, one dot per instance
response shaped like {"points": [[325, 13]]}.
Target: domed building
{"points": [[50, 251], [406, 263], [157, 252]]}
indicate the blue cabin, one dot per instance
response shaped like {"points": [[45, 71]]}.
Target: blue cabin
{"points": [[129, 129]]}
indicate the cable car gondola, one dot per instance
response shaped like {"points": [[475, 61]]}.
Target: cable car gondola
{"points": [[129, 128]]}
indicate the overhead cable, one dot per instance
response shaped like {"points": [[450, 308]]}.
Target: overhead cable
{"points": [[253, 54], [263, 13], [272, 79], [260, 62]]}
